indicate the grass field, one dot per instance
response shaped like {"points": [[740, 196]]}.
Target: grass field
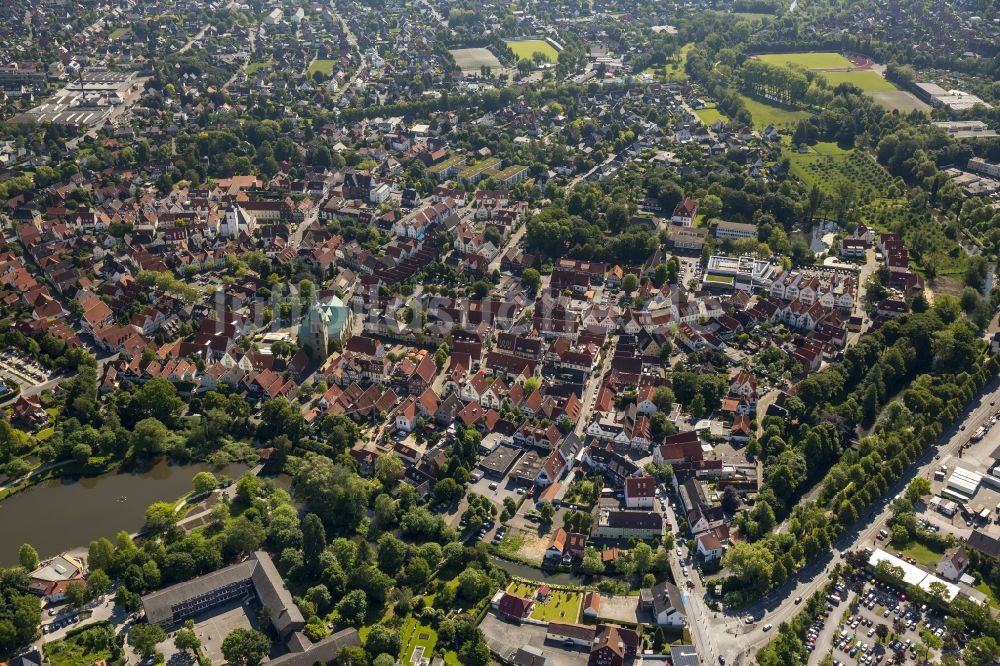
{"points": [[561, 606], [524, 49], [765, 114], [709, 116], [512, 543], [675, 68], [827, 164], [119, 33], [921, 553], [753, 16], [991, 595], [321, 65], [414, 635], [257, 65], [807, 60], [899, 100], [473, 59], [867, 80]]}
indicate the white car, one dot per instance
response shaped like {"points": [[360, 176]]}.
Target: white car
{"points": [[766, 627]]}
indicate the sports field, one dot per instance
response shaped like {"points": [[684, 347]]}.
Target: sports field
{"points": [[900, 100], [473, 59], [524, 49], [808, 60], [867, 80]]}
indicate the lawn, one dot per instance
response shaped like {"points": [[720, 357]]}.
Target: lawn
{"points": [[119, 33], [416, 635], [257, 65], [991, 595], [827, 164], [524, 49], [867, 80], [766, 114], [325, 67], [709, 116], [808, 60], [921, 553], [561, 606]]}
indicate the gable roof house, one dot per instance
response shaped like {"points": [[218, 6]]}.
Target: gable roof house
{"points": [[663, 602]]}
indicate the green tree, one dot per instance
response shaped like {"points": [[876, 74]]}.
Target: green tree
{"points": [[352, 608], [710, 206], [980, 651], [187, 640], [313, 541], [475, 653], [160, 516], [531, 279], [697, 406], [28, 557], [144, 637], [388, 469], [630, 283], [592, 563], [918, 488], [150, 437], [547, 511], [76, 594], [204, 482], [245, 647], [98, 583], [383, 640]]}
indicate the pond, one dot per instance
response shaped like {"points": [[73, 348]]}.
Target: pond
{"points": [[63, 514]]}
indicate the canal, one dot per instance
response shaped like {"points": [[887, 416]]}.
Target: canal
{"points": [[63, 514], [532, 573]]}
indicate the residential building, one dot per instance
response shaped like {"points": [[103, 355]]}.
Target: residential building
{"points": [[953, 563], [640, 492], [612, 524]]}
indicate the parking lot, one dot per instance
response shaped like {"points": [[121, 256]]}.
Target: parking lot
{"points": [[879, 625], [22, 370]]}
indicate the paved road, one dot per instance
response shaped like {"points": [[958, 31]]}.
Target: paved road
{"points": [[187, 45], [593, 386], [738, 641], [514, 239]]}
